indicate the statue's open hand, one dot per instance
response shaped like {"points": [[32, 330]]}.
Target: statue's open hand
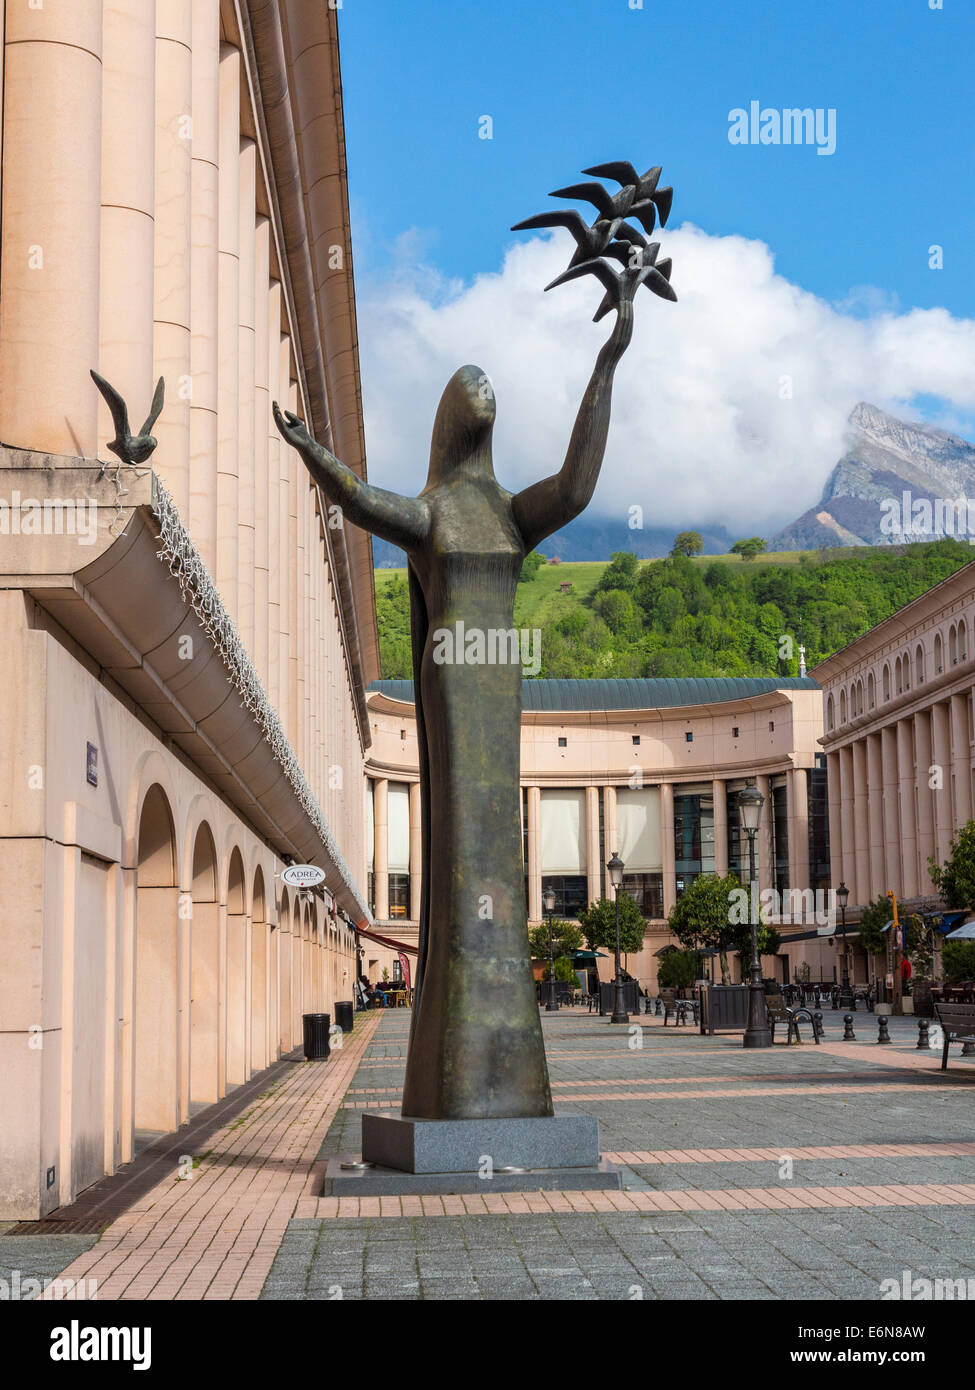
{"points": [[292, 428]]}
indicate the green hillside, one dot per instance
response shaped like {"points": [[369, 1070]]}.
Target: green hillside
{"points": [[707, 616]]}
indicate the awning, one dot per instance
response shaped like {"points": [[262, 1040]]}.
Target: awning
{"points": [[948, 921], [388, 941], [587, 955]]}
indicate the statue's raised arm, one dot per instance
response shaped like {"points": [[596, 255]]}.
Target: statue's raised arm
{"points": [[548, 505], [402, 520]]}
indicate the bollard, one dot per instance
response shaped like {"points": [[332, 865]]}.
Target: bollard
{"points": [[818, 1025], [923, 1035], [848, 1033], [882, 1035], [657, 1007]]}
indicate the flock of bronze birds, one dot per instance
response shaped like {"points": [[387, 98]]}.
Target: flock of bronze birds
{"points": [[610, 235]]}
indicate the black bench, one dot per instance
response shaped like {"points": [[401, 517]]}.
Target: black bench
{"points": [[958, 1025], [779, 1012]]}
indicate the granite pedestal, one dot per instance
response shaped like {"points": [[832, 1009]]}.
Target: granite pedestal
{"points": [[556, 1153]]}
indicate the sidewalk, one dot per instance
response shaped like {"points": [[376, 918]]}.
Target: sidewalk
{"points": [[793, 1172]]}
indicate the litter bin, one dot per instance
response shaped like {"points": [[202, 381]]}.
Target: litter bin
{"points": [[344, 1015], [316, 1028]]}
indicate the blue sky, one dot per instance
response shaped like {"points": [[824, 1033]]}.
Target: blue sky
{"points": [[572, 82], [787, 262]]}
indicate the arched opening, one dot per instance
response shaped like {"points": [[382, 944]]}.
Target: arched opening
{"points": [[919, 665], [939, 661], [907, 671], [842, 706], [157, 1013], [898, 676], [237, 971], [830, 713], [962, 641], [205, 973], [886, 682], [871, 691], [298, 993], [260, 974], [285, 963], [952, 646]]}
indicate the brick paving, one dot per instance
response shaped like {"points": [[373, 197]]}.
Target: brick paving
{"points": [[789, 1173]]}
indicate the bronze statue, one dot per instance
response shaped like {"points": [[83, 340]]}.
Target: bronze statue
{"points": [[476, 1048]]}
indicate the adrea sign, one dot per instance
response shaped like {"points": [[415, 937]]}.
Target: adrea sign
{"points": [[302, 876]]}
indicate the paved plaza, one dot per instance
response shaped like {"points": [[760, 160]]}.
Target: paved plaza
{"points": [[796, 1172]]}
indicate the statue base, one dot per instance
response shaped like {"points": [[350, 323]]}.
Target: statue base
{"points": [[553, 1153]]}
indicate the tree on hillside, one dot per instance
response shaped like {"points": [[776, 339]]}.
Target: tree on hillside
{"points": [[615, 607], [688, 543], [749, 548], [598, 923], [620, 573], [530, 566]]}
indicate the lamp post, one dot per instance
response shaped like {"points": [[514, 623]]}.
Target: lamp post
{"points": [[548, 899], [615, 867], [750, 803], [846, 993]]}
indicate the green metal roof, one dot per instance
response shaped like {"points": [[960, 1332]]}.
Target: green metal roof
{"points": [[631, 694]]}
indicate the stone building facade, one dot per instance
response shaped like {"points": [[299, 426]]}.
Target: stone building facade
{"points": [[186, 646]]}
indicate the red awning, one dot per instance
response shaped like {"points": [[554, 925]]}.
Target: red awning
{"points": [[387, 941]]}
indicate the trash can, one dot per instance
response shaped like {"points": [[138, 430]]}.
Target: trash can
{"points": [[316, 1028], [344, 1015]]}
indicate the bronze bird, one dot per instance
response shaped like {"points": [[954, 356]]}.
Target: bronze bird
{"points": [[590, 241], [620, 284], [130, 448], [645, 184]]}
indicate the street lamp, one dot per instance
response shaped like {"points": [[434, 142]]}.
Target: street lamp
{"points": [[548, 898], [615, 867], [846, 993], [750, 803]]}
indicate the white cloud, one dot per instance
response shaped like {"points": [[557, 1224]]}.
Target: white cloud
{"points": [[699, 431]]}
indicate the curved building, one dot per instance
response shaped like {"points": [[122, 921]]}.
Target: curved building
{"points": [[650, 768]]}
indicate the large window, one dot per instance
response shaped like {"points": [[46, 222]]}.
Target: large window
{"points": [[779, 811], [693, 830], [647, 891], [398, 811], [571, 893], [818, 802]]}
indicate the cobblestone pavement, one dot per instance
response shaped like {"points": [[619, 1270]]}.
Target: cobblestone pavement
{"points": [[789, 1173]]}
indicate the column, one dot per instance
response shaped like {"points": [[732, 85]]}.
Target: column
{"points": [[961, 761], [861, 823], [926, 846], [895, 866], [667, 833], [228, 319], [875, 817], [534, 854], [204, 275], [593, 867], [381, 812], [720, 797], [262, 415], [246, 360], [941, 759], [49, 258], [171, 296], [764, 837], [127, 170], [610, 836], [416, 852], [797, 798], [906, 808], [847, 833]]}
